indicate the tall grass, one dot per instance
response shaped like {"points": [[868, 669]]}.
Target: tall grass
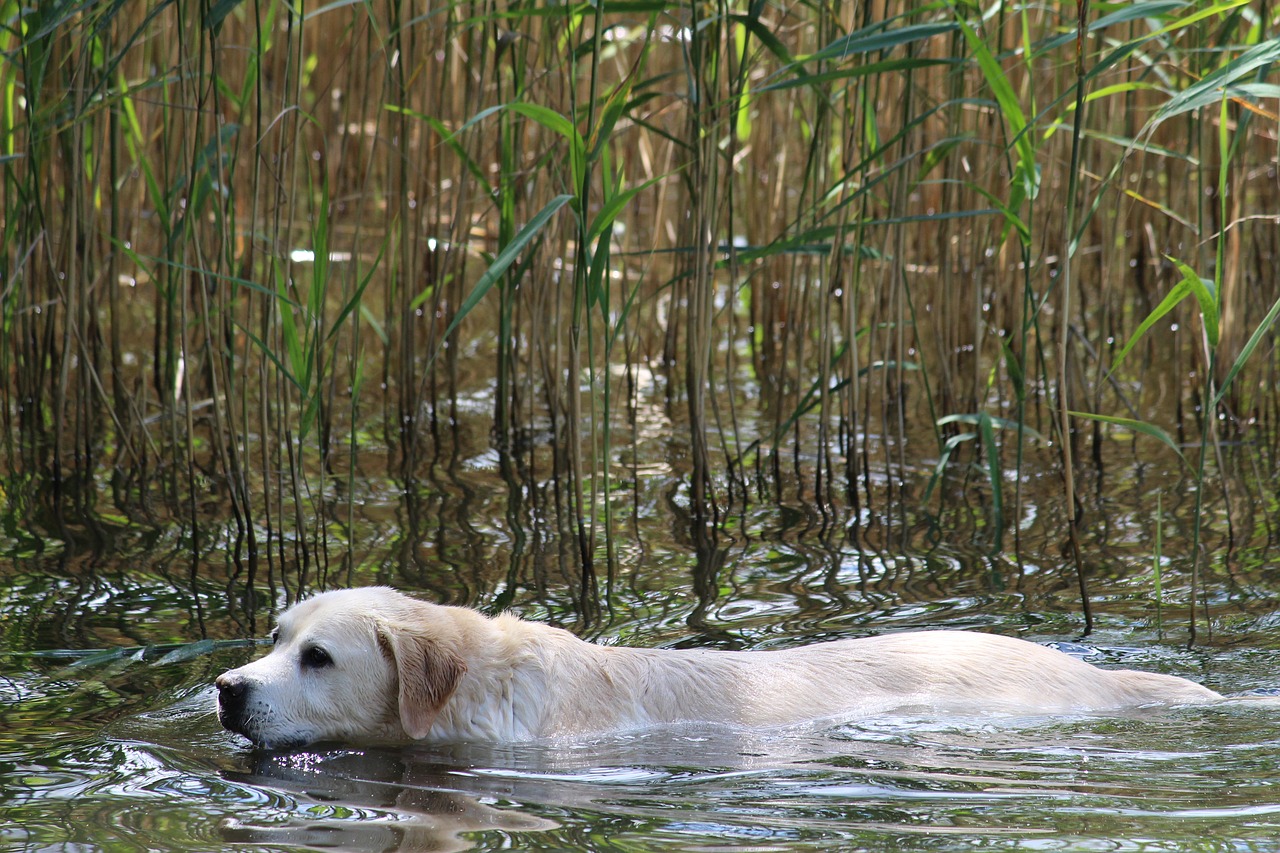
{"points": [[856, 243]]}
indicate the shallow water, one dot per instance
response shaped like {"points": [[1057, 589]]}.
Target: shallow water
{"points": [[123, 752], [113, 633], [1153, 781]]}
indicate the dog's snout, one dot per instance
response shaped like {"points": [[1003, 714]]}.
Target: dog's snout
{"points": [[231, 687], [233, 697]]}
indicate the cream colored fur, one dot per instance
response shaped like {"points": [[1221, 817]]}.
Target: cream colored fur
{"points": [[402, 669]]}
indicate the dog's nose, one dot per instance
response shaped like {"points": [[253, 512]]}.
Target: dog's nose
{"points": [[231, 687], [233, 700]]}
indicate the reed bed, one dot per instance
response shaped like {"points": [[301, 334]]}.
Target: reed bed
{"points": [[873, 256]]}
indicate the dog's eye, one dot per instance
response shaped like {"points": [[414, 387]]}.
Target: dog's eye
{"points": [[314, 657], [275, 636]]}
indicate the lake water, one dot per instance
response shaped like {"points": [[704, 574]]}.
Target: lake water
{"points": [[126, 768], [121, 750], [114, 631]]}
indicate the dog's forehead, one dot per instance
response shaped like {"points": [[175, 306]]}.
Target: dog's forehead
{"points": [[324, 615]]}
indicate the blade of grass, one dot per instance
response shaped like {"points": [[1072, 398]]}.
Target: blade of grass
{"points": [[506, 258], [1135, 426]]}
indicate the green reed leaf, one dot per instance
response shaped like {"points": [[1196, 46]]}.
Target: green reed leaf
{"points": [[1135, 426], [217, 13], [609, 211], [507, 257], [1222, 82], [995, 475], [1176, 295], [1010, 108], [449, 138], [1259, 334], [553, 121], [998, 423], [947, 449], [1137, 12], [1203, 290]]}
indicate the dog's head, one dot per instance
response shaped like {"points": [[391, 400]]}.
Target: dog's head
{"points": [[362, 664]]}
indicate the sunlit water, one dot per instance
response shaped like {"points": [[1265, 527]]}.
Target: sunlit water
{"points": [[128, 755], [104, 748]]}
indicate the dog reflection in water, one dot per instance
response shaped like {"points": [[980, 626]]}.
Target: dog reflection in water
{"points": [[386, 799]]}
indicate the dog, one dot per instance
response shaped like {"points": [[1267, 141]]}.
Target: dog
{"points": [[373, 665]]}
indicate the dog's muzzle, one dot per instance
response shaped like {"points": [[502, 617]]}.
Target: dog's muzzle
{"points": [[233, 697]]}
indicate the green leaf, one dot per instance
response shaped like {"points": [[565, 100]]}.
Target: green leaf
{"points": [[615, 107], [1009, 107], [1204, 293], [355, 300], [610, 209], [878, 39], [293, 343], [947, 449], [995, 475], [1202, 12], [548, 118], [212, 275], [999, 423], [329, 7], [557, 123], [1218, 84], [1137, 11], [218, 13], [1166, 305], [374, 324], [1010, 214], [886, 66], [1135, 426], [267, 351], [506, 258], [320, 253], [765, 36], [448, 138], [597, 282], [104, 656], [1013, 366], [186, 652], [1254, 340]]}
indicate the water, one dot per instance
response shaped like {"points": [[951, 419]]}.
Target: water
{"points": [[114, 631], [168, 779], [122, 751]]}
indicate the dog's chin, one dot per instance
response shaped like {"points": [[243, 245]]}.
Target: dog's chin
{"points": [[269, 743], [283, 745], [277, 744]]}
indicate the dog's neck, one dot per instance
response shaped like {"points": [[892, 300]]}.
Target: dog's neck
{"points": [[510, 691]]}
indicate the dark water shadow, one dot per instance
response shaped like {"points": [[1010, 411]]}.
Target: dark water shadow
{"points": [[436, 798], [375, 799]]}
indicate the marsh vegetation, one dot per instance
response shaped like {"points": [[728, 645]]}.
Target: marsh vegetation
{"points": [[726, 324], [872, 261]]}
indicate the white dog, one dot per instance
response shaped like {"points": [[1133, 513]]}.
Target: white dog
{"points": [[374, 665]]}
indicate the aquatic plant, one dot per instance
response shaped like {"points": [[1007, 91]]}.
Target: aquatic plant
{"points": [[883, 261]]}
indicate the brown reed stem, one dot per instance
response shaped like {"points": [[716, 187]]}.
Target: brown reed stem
{"points": [[1064, 329]]}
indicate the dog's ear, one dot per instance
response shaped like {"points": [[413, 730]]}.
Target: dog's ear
{"points": [[428, 673]]}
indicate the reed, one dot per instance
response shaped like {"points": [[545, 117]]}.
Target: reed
{"points": [[860, 245]]}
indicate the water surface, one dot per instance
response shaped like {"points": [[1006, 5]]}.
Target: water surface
{"points": [[122, 751], [114, 629]]}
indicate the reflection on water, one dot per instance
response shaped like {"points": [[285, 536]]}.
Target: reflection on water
{"points": [[370, 800], [1151, 780], [122, 750]]}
